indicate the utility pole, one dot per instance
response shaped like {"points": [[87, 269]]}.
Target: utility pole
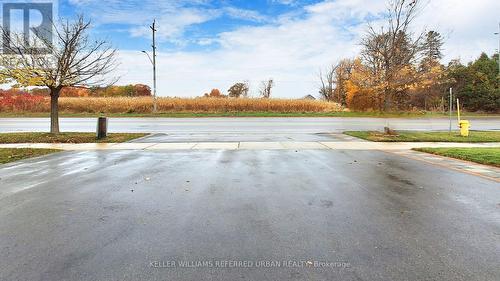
{"points": [[153, 28]]}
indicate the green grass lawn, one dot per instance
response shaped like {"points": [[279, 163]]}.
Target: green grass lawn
{"points": [[411, 136], [488, 156], [8, 155], [252, 114], [65, 138]]}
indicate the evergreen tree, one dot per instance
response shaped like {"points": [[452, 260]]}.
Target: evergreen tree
{"points": [[433, 46], [476, 84]]}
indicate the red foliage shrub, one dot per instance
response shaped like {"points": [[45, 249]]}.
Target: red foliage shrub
{"points": [[17, 101]]}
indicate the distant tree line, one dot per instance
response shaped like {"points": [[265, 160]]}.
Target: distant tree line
{"points": [[242, 89], [138, 90], [398, 69], [477, 84]]}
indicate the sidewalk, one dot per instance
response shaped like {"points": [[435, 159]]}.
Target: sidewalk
{"points": [[401, 149], [354, 145], [484, 171]]}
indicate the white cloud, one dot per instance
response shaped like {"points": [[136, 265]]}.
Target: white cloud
{"points": [[285, 2], [174, 25], [294, 47], [245, 14], [468, 26], [173, 17]]}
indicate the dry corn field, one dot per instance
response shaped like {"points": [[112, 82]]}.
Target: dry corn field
{"points": [[143, 105]]}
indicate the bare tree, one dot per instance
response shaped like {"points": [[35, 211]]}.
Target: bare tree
{"points": [[265, 88], [333, 81], [393, 47], [328, 82], [73, 60]]}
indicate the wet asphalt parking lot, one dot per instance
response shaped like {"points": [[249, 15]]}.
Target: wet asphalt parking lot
{"points": [[137, 215]]}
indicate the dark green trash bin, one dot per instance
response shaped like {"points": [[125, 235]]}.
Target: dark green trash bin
{"points": [[102, 127]]}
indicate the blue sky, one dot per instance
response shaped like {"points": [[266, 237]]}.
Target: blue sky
{"points": [[182, 25], [205, 44]]}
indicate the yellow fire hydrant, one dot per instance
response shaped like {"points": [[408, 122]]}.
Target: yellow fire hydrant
{"points": [[464, 128]]}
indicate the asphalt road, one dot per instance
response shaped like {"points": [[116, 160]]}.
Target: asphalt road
{"points": [[243, 125], [136, 215]]}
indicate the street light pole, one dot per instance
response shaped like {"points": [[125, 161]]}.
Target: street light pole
{"points": [[498, 33], [451, 106], [153, 62]]}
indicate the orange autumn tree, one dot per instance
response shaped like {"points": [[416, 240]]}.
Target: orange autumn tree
{"points": [[75, 92], [362, 88], [214, 93], [366, 89], [398, 68]]}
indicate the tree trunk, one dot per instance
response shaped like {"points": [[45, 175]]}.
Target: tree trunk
{"points": [[54, 111]]}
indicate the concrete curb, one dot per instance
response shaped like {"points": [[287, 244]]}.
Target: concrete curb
{"points": [[361, 145]]}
